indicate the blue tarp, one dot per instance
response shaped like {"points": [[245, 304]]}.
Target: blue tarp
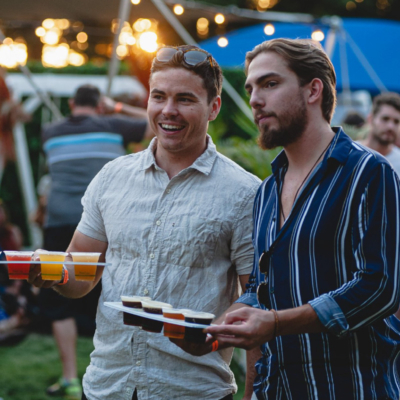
{"points": [[378, 41]]}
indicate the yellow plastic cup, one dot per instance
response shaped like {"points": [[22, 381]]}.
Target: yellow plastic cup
{"points": [[52, 272], [84, 272]]}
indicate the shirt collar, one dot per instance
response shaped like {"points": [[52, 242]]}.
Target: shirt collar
{"points": [[203, 164], [339, 150]]}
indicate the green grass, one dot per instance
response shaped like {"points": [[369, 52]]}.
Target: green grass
{"points": [[28, 368]]}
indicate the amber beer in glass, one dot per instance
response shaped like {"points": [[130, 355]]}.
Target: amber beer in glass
{"points": [[172, 330], [84, 272]]}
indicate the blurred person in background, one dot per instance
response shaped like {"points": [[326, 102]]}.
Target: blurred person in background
{"points": [[384, 128], [76, 149], [16, 296]]}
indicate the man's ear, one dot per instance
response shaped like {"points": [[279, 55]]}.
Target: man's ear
{"points": [[215, 108], [315, 89], [71, 104]]}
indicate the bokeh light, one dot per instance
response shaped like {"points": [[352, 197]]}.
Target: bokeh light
{"points": [[222, 42], [48, 23], [219, 19], [178, 9], [82, 37], [12, 54], [55, 56], [269, 29], [148, 42], [40, 31], [318, 35]]}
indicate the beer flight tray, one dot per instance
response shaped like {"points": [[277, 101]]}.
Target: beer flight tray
{"points": [[157, 317], [100, 264]]}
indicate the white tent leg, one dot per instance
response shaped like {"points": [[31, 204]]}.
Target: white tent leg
{"points": [[124, 8], [27, 183]]}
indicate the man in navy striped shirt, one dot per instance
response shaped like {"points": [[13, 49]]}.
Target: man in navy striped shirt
{"points": [[325, 281]]}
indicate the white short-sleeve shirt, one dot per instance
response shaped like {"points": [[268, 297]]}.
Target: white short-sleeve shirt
{"points": [[183, 241]]}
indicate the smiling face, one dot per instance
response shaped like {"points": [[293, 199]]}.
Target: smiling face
{"points": [[385, 125], [179, 112], [277, 101]]}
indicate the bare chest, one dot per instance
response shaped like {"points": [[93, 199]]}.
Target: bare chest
{"points": [[290, 191]]}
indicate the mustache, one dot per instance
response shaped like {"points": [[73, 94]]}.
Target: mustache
{"points": [[259, 116]]}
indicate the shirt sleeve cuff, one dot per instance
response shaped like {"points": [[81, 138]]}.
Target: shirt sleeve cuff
{"points": [[250, 299], [330, 315]]}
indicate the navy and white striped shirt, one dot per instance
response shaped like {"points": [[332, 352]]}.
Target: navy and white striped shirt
{"points": [[339, 252]]}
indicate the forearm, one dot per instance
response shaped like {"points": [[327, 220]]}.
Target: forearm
{"points": [[75, 289], [252, 356], [299, 320]]}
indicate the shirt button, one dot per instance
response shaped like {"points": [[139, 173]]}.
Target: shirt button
{"points": [[152, 255], [168, 190], [158, 223], [145, 291], [138, 363]]}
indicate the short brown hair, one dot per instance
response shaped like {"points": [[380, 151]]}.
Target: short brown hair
{"points": [[386, 99], [308, 61], [87, 96], [210, 74]]}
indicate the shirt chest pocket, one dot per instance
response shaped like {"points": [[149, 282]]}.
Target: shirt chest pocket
{"points": [[191, 241]]}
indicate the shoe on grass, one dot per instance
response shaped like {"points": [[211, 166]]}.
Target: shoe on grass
{"points": [[70, 390]]}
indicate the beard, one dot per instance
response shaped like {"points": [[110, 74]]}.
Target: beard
{"points": [[292, 123], [384, 141]]}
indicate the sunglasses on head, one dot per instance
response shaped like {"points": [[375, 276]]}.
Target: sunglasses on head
{"points": [[263, 288], [191, 57]]}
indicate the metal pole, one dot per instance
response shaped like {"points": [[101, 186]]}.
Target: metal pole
{"points": [[345, 70], [27, 183], [367, 66], [183, 33], [124, 8]]}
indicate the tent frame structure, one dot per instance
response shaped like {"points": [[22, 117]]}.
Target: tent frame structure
{"points": [[335, 33]]}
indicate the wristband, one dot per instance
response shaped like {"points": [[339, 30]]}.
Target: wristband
{"points": [[65, 277], [118, 107], [215, 346], [276, 328]]}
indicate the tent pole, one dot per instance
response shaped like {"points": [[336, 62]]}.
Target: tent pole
{"points": [[187, 38], [124, 8], [344, 69], [367, 66]]}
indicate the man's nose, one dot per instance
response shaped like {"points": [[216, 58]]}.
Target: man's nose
{"points": [[256, 101], [170, 108]]}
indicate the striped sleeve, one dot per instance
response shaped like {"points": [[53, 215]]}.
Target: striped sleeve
{"points": [[372, 291]]}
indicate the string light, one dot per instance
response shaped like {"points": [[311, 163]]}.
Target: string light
{"points": [[222, 42], [269, 29], [48, 23], [148, 42], [318, 35], [12, 53], [178, 9], [82, 37], [219, 19], [135, 2]]}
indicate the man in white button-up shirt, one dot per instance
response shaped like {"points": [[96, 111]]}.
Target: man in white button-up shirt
{"points": [[175, 222]]}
